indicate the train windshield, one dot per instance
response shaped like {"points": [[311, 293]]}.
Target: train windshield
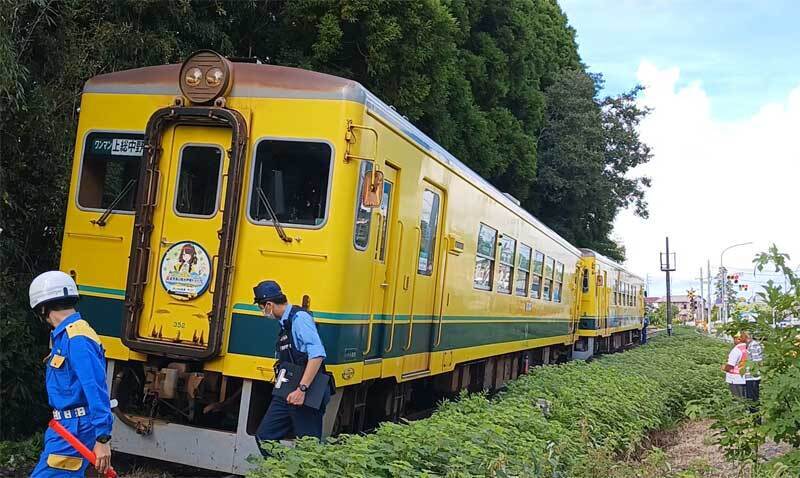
{"points": [[110, 162], [295, 176]]}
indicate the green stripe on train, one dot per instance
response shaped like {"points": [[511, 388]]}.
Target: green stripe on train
{"points": [[255, 335]]}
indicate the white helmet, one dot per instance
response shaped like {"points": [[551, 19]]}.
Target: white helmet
{"points": [[50, 286]]}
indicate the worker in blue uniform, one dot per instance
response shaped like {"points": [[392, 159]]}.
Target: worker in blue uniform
{"points": [[645, 325], [75, 380], [299, 343]]}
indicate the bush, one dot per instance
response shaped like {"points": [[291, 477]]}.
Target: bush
{"points": [[547, 423]]}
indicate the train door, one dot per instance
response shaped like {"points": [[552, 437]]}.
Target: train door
{"points": [[423, 293], [185, 239], [384, 262], [602, 302]]}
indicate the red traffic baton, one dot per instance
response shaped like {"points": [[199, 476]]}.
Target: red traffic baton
{"points": [[80, 447]]}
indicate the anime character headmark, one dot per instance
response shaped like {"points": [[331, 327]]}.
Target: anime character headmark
{"points": [[187, 259]]}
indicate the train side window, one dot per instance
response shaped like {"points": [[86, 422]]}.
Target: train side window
{"points": [[536, 275], [198, 181], [506, 268], [295, 177], [428, 225], [586, 280], [110, 162], [523, 270], [383, 227], [363, 214], [547, 288], [484, 258], [558, 284]]}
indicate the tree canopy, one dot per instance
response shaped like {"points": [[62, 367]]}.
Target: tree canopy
{"points": [[499, 84]]}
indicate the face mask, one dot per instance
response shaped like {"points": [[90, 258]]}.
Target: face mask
{"points": [[268, 311]]}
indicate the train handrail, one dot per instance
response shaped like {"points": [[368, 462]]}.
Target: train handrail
{"points": [[396, 283], [371, 301], [413, 288], [441, 296]]}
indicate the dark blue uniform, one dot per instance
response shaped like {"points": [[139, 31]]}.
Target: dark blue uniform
{"points": [[644, 330], [298, 341], [77, 392]]}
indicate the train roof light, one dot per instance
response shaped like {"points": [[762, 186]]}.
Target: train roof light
{"points": [[205, 76]]}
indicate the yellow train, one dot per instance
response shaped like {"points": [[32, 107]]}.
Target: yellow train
{"points": [[193, 182]]}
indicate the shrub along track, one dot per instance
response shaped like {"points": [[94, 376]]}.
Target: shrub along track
{"points": [[552, 422], [547, 423]]}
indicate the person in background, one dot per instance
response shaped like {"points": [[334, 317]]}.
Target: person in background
{"points": [[734, 367], [645, 324], [755, 353]]}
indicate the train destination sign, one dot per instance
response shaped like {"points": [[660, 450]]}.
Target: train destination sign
{"points": [[122, 145]]}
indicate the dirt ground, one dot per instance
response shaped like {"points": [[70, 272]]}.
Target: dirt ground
{"points": [[691, 448]]}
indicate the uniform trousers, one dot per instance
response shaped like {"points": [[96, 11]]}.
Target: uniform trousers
{"points": [[283, 419], [59, 459]]}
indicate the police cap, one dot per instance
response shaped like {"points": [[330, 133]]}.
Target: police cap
{"points": [[266, 291]]}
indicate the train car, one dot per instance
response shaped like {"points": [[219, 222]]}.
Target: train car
{"points": [[612, 306], [193, 182]]}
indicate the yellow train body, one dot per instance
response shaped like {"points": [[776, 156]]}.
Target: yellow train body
{"points": [[447, 272]]}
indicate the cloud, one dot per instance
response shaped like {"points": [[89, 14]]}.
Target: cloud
{"points": [[715, 182]]}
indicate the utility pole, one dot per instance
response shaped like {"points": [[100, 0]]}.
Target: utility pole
{"points": [[668, 265], [710, 303], [702, 305]]}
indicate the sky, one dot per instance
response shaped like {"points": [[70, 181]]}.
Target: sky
{"points": [[723, 81]]}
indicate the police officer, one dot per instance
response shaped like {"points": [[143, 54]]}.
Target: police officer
{"points": [[299, 343], [75, 380], [645, 325]]}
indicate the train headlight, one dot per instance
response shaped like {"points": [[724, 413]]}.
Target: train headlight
{"points": [[214, 77], [193, 77], [205, 76]]}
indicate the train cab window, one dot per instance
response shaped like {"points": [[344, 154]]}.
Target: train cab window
{"points": [[295, 178], [428, 225], [109, 170], [484, 258], [363, 214], [198, 181], [536, 275], [558, 282], [523, 271], [506, 268]]}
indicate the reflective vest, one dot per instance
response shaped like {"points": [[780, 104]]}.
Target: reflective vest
{"points": [[739, 366]]}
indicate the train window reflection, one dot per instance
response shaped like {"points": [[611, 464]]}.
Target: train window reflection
{"points": [[363, 214], [295, 177], [484, 261], [428, 228], [110, 162], [198, 181]]}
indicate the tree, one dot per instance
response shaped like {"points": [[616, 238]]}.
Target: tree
{"points": [[586, 151], [730, 292], [658, 317]]}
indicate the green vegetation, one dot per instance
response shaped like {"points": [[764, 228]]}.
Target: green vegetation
{"points": [[554, 422], [658, 317], [741, 434], [500, 84]]}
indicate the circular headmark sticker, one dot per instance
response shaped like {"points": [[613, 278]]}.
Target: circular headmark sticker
{"points": [[185, 270]]}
